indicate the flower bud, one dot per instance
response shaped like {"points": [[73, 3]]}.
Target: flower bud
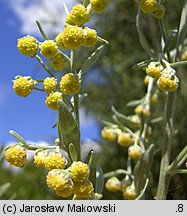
{"points": [[125, 139], [23, 85], [91, 37], [130, 193], [57, 61], [16, 155], [60, 182], [159, 12], [168, 83], [50, 84], [79, 171], [154, 71], [28, 46], [52, 99], [73, 37], [78, 15], [108, 134], [83, 190], [141, 110], [39, 158], [148, 6], [135, 152], [54, 160], [98, 5], [113, 184], [69, 84], [48, 48]]}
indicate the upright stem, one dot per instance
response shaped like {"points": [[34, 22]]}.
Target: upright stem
{"points": [[164, 178], [75, 96]]}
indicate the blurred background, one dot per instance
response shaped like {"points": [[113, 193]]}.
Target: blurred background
{"points": [[111, 82]]}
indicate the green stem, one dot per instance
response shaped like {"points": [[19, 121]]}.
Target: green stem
{"points": [[164, 178], [41, 30], [177, 171], [179, 160], [33, 147], [38, 89], [85, 3], [178, 64], [102, 40], [44, 66], [115, 173]]}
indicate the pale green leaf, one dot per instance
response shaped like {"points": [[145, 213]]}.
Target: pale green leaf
{"points": [[72, 152], [99, 179]]}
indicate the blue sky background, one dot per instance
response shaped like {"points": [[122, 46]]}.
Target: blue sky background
{"points": [[28, 116]]}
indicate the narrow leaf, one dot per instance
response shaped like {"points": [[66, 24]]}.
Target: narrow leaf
{"points": [[170, 39], [18, 137], [68, 127], [182, 30], [91, 60], [72, 152], [143, 168], [156, 120], [89, 158], [142, 65], [99, 179], [143, 41], [4, 188], [66, 8], [133, 103], [41, 30], [85, 3], [125, 120]]}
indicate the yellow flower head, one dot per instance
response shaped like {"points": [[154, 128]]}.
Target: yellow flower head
{"points": [[50, 84], [28, 46], [125, 139], [113, 184], [184, 56], [54, 160], [16, 155], [48, 48], [154, 71], [98, 5], [130, 193], [39, 158], [69, 84], [60, 40], [141, 110], [23, 85], [84, 189], [91, 37], [79, 171], [135, 152], [148, 6], [78, 15], [60, 182], [159, 12], [73, 37], [57, 62], [168, 83], [108, 134], [52, 99]]}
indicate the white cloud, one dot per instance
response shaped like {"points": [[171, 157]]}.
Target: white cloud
{"points": [[48, 12]]}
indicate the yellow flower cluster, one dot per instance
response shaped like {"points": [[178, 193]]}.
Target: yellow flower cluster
{"points": [[141, 110], [28, 46], [168, 83], [125, 139], [57, 61], [52, 99], [48, 48], [98, 5], [54, 160], [50, 84], [79, 171], [148, 6], [154, 71], [83, 190], [159, 12], [69, 84], [23, 85], [113, 184], [16, 155], [39, 158], [130, 193], [91, 37], [108, 134], [60, 181], [134, 152], [78, 15]]}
